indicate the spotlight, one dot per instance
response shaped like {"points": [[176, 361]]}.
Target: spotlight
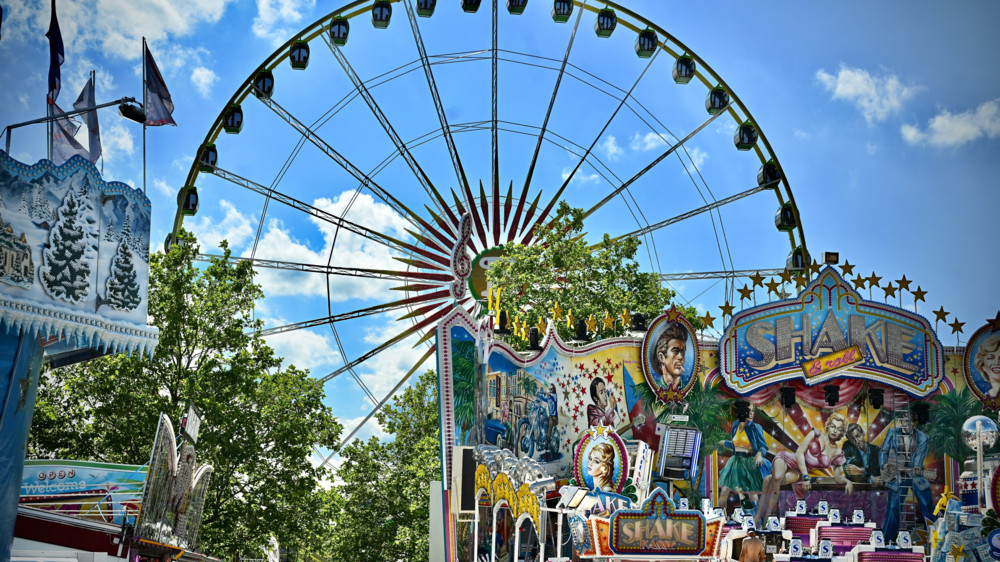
{"points": [[132, 111], [533, 339], [877, 397], [921, 412], [581, 332], [638, 327], [502, 329], [832, 394], [787, 396], [742, 410]]}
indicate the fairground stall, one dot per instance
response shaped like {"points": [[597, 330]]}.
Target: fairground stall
{"points": [[828, 423]]}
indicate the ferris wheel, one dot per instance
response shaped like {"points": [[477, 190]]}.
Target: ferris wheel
{"points": [[358, 145]]}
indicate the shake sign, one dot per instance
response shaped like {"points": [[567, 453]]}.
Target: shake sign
{"points": [[657, 528]]}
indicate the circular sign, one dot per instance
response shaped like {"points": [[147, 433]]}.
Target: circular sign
{"points": [[601, 462], [982, 366], [670, 356]]}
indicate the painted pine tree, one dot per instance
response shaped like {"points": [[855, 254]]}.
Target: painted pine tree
{"points": [[87, 217], [39, 206], [65, 269], [109, 233], [122, 288], [23, 207], [126, 233]]}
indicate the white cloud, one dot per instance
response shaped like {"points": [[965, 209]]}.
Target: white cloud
{"points": [[203, 80], [649, 141], [234, 227], [384, 371], [611, 149], [116, 142], [948, 129], [305, 349], [275, 18], [23, 98], [163, 187], [698, 157], [871, 147], [579, 177], [370, 429], [799, 134], [875, 96]]}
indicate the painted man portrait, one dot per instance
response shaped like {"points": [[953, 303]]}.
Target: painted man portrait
{"points": [[668, 356], [862, 457]]}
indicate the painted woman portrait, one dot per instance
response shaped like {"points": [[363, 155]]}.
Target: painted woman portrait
{"points": [[601, 467], [986, 362], [671, 358]]}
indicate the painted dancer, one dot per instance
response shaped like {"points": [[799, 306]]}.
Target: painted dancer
{"points": [[746, 469]]}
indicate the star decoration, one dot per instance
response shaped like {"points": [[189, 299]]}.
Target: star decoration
{"points": [[556, 312], [609, 376], [994, 323], [565, 395], [956, 326], [957, 550], [918, 295], [772, 286], [890, 291], [814, 268], [608, 321], [707, 320], [859, 282], [570, 319], [541, 325], [873, 280], [940, 314], [786, 276], [727, 309], [800, 281], [904, 283], [745, 292], [847, 268], [591, 324], [758, 279], [673, 314], [625, 316]]}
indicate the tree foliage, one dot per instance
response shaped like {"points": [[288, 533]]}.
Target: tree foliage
{"points": [[260, 419], [561, 267], [948, 412], [382, 505]]}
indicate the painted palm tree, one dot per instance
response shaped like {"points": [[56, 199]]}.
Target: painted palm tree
{"points": [[948, 412], [709, 411], [464, 367]]}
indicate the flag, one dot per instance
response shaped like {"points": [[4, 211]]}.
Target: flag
{"points": [[64, 144], [159, 106], [56, 55], [86, 100]]}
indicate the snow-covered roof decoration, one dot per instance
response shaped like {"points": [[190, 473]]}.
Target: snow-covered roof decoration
{"points": [[74, 257]]}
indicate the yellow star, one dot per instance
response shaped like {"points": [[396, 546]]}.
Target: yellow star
{"points": [[904, 283], [801, 281], [847, 268], [758, 279], [815, 267], [541, 325], [786, 276], [772, 286], [890, 291], [673, 314], [591, 324], [859, 282], [993, 322], [556, 312], [956, 326], [625, 316], [608, 321], [957, 551], [707, 320], [570, 319], [873, 280], [745, 292], [918, 295], [940, 314], [727, 310], [599, 430]]}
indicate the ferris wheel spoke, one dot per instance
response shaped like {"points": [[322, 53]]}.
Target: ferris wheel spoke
{"points": [[652, 164], [528, 229], [391, 342], [364, 179], [548, 111], [359, 85], [494, 141], [728, 274], [456, 161], [363, 273]]}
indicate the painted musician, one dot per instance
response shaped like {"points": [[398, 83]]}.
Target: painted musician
{"points": [[604, 410], [902, 458], [862, 456], [746, 469]]}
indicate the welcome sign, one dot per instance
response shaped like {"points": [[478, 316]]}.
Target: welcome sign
{"points": [[830, 331]]}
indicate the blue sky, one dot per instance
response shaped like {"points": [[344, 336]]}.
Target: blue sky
{"points": [[885, 117]]}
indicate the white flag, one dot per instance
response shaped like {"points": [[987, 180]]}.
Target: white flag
{"points": [[159, 106], [86, 100], [64, 144]]}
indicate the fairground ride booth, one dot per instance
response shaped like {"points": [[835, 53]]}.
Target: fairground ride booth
{"points": [[807, 423]]}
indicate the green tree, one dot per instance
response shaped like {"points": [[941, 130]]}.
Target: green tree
{"points": [[948, 412], [561, 267], [260, 419], [382, 509]]}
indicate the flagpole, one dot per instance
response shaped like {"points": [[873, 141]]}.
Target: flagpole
{"points": [[144, 49]]}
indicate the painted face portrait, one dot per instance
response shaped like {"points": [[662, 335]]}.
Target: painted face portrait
{"points": [[669, 354], [601, 466], [987, 363], [836, 427], [857, 436]]}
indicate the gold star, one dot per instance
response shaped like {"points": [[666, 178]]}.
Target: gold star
{"points": [[707, 320], [745, 292], [847, 268], [801, 281], [859, 282], [556, 312], [890, 291], [608, 321], [727, 310], [956, 326], [918, 295], [815, 267], [591, 324], [873, 280], [940, 314], [541, 325], [957, 551], [904, 283], [570, 319], [758, 279], [673, 314], [625, 316], [772, 286], [994, 323], [786, 276]]}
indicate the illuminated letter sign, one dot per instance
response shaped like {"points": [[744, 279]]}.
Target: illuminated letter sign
{"points": [[657, 529], [830, 331]]}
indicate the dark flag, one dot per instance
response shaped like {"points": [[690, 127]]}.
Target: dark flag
{"points": [[86, 100], [159, 106], [56, 56]]}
